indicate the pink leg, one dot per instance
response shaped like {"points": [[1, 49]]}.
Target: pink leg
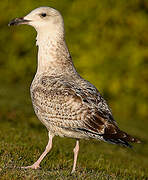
{"points": [[75, 150], [37, 163]]}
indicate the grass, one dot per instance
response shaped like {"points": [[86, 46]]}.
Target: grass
{"points": [[23, 138]]}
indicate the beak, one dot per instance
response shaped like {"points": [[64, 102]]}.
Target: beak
{"points": [[18, 21]]}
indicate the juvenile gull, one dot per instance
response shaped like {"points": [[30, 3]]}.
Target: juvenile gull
{"points": [[63, 101]]}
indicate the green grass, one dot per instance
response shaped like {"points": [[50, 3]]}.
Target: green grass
{"points": [[23, 138]]}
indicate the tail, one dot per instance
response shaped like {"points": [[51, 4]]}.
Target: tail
{"points": [[115, 136]]}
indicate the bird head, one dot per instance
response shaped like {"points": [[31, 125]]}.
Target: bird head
{"points": [[42, 19]]}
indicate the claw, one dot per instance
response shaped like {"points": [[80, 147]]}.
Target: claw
{"points": [[34, 166]]}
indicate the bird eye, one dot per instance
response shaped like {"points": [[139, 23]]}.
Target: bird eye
{"points": [[43, 14]]}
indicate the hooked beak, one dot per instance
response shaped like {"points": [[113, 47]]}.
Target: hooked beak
{"points": [[18, 21]]}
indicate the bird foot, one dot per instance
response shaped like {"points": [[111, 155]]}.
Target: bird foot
{"points": [[34, 166], [72, 171]]}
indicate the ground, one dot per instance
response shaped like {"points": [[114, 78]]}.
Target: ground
{"points": [[23, 138]]}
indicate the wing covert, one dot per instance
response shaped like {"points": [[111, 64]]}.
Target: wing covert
{"points": [[67, 105]]}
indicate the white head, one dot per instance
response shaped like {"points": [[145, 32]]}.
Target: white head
{"points": [[49, 25], [42, 19]]}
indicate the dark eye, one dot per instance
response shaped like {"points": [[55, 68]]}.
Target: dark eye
{"points": [[43, 14]]}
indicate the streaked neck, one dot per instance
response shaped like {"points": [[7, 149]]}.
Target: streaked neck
{"points": [[53, 53]]}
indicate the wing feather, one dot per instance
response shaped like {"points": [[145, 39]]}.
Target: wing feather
{"points": [[75, 107]]}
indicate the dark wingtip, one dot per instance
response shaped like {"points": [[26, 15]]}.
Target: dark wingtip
{"points": [[129, 138], [120, 137], [137, 141]]}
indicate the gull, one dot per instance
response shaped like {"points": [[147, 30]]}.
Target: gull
{"points": [[67, 104]]}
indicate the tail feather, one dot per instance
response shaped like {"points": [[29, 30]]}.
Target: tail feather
{"points": [[119, 142], [115, 136]]}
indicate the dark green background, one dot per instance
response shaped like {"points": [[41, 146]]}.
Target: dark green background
{"points": [[108, 41]]}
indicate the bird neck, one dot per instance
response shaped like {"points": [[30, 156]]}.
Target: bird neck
{"points": [[53, 54]]}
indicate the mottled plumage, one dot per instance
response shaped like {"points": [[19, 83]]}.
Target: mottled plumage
{"points": [[63, 101], [72, 107]]}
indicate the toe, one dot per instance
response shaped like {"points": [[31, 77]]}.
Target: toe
{"points": [[34, 166]]}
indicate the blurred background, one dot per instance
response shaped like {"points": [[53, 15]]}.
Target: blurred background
{"points": [[108, 41]]}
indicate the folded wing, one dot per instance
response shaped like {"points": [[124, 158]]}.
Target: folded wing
{"points": [[79, 109]]}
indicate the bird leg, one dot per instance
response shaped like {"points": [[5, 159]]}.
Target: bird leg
{"points": [[75, 150], [36, 165]]}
